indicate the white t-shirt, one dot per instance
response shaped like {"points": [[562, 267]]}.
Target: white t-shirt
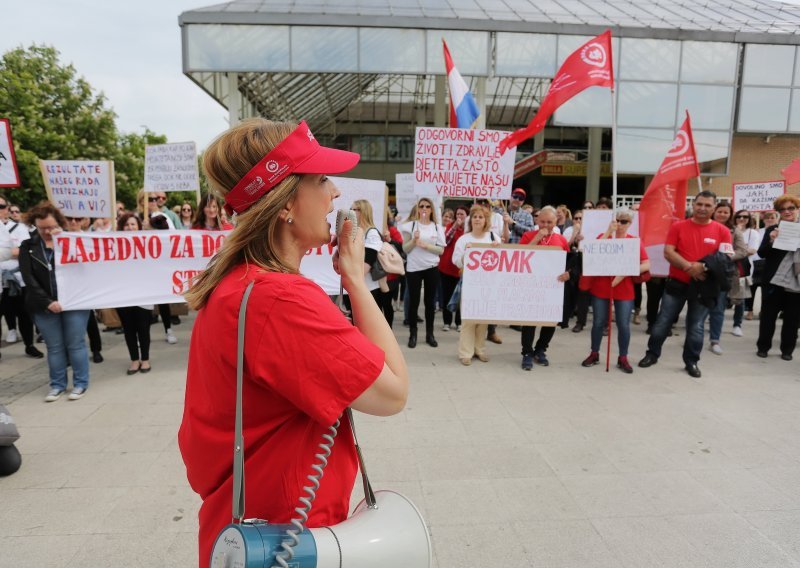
{"points": [[497, 223], [372, 240], [461, 245], [13, 239], [420, 259]]}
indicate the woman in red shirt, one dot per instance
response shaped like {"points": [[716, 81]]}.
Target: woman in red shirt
{"points": [[304, 363], [208, 217], [450, 273], [620, 288]]}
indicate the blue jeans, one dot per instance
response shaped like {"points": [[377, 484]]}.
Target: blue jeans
{"points": [[622, 309], [64, 334], [716, 317], [738, 314], [696, 316]]}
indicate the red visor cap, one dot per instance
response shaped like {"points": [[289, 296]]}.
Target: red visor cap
{"points": [[298, 153]]}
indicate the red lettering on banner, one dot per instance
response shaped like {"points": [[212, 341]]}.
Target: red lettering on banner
{"points": [[182, 280], [154, 247], [517, 261], [182, 246], [473, 259], [123, 248], [211, 244], [108, 249]]}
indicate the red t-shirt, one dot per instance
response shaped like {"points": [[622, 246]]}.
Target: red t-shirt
{"points": [[446, 265], [601, 285], [694, 241], [554, 240], [304, 364]]}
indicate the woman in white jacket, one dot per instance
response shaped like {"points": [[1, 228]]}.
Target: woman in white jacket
{"points": [[472, 340]]}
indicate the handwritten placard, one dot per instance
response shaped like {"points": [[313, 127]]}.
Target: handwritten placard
{"points": [[788, 236], [460, 162], [9, 174], [80, 188], [171, 167], [611, 257], [757, 196], [513, 284], [596, 222]]}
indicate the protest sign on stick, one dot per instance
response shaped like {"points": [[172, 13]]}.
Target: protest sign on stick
{"points": [[757, 196], [611, 257], [513, 284], [171, 167], [462, 163], [80, 188], [9, 174]]}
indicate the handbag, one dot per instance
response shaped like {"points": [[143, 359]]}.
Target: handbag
{"points": [[388, 261], [743, 267], [8, 428]]}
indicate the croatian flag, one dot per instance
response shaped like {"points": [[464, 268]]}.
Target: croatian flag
{"points": [[463, 109]]}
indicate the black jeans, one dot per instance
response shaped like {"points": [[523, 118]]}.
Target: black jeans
{"points": [[655, 289], [166, 316], [13, 307], [415, 280], [136, 325], [95, 344], [775, 299], [448, 286], [385, 301], [545, 335]]}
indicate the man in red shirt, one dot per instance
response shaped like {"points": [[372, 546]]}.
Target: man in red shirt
{"points": [[544, 236], [687, 243]]}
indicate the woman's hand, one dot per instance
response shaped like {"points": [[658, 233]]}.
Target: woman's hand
{"points": [[55, 308], [563, 277], [617, 280], [773, 235], [348, 261]]}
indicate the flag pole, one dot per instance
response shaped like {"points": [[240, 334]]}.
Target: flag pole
{"points": [[614, 150]]}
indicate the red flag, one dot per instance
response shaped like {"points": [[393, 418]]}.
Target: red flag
{"points": [[664, 200], [589, 65], [791, 173]]}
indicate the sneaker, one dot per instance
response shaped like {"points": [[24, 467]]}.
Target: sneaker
{"points": [[97, 357], [11, 336], [77, 393], [592, 359], [716, 349], [31, 351], [541, 359], [622, 363], [445, 327], [171, 339], [458, 328], [466, 362], [53, 395], [737, 331], [527, 362]]}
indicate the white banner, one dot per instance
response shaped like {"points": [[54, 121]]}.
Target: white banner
{"points": [[611, 257], [460, 162], [757, 196], [130, 268], [171, 167], [513, 284], [80, 188], [9, 174], [318, 263]]}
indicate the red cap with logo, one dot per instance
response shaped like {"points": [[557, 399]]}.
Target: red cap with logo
{"points": [[298, 153]]}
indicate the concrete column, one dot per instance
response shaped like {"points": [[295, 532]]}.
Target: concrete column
{"points": [[538, 141], [480, 98], [439, 102], [234, 100], [593, 167]]}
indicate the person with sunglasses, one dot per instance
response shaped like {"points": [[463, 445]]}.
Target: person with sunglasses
{"points": [[746, 225], [518, 220], [187, 216], [780, 298], [575, 300], [155, 200]]}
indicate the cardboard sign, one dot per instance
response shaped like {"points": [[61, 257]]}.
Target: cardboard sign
{"points": [[406, 198], [9, 174], [318, 263], [130, 268], [465, 163], [80, 188], [757, 196], [171, 167], [513, 284], [611, 257], [788, 236], [596, 222], [659, 266]]}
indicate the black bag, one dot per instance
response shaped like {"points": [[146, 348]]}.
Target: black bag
{"points": [[743, 267], [758, 271]]}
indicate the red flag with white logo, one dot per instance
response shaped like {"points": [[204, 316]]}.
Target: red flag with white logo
{"points": [[791, 173], [664, 201], [588, 66]]}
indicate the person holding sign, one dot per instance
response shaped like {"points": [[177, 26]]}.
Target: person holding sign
{"points": [[63, 330], [472, 340], [448, 271], [304, 362], [780, 283], [604, 289], [545, 235], [424, 242]]}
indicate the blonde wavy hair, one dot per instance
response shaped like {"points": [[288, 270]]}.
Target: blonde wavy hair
{"points": [[252, 241], [365, 218]]}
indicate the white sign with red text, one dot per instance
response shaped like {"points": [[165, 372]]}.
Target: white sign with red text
{"points": [[9, 174], [318, 263], [462, 163], [130, 268], [513, 284], [171, 167], [757, 196], [80, 188]]}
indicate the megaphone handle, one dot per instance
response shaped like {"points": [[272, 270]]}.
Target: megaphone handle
{"points": [[369, 494]]}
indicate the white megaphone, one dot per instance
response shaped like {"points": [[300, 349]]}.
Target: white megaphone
{"points": [[392, 534]]}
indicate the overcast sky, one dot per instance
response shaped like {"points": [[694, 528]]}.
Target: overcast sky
{"points": [[130, 50]]}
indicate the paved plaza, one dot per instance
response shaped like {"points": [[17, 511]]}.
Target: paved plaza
{"points": [[561, 467]]}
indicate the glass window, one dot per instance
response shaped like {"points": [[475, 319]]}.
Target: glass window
{"points": [[763, 109], [710, 106], [470, 51], [768, 65], [567, 44], [642, 150], [400, 148], [709, 62], [325, 49], [371, 148], [794, 116], [237, 48], [713, 149], [525, 55], [592, 107], [650, 59], [797, 69], [647, 104], [384, 50]]}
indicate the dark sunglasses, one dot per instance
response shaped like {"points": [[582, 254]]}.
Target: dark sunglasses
{"points": [[72, 219], [13, 211], [421, 207], [743, 216], [790, 208], [578, 218], [623, 221], [153, 199], [3, 205], [518, 197]]}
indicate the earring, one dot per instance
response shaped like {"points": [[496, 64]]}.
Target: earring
{"points": [[290, 220]]}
